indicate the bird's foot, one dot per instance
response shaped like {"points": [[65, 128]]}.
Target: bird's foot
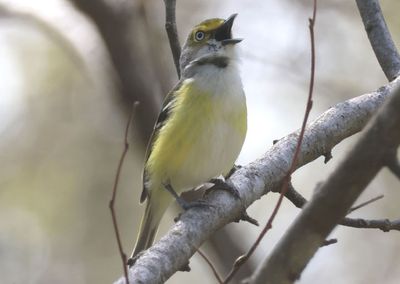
{"points": [[185, 205], [222, 185]]}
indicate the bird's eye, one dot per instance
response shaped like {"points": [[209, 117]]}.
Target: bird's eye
{"points": [[199, 36]]}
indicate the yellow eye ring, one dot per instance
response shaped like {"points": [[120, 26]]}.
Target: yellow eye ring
{"points": [[199, 35]]}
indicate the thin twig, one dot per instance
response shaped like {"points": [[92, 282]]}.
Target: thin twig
{"points": [[384, 224], [172, 32], [241, 260], [329, 242], [365, 203], [114, 192], [295, 197], [379, 37], [214, 270]]}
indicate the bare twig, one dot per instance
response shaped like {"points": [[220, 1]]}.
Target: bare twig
{"points": [[295, 197], [172, 32], [384, 224], [114, 191], [214, 270], [333, 199], [299, 201], [379, 37], [365, 203], [253, 181], [329, 242], [242, 259]]}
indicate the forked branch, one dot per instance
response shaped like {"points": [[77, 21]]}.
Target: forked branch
{"points": [[334, 198], [253, 181]]}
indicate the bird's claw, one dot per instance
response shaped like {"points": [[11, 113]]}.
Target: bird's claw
{"points": [[222, 185]]}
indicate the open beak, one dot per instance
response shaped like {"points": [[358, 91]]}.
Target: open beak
{"points": [[224, 32]]}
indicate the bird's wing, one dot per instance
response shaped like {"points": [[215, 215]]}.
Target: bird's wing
{"points": [[162, 118]]}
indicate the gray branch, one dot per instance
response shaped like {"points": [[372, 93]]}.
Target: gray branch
{"points": [[195, 226], [172, 32], [393, 163], [379, 37], [334, 198]]}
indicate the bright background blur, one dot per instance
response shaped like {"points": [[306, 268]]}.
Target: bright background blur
{"points": [[62, 123]]}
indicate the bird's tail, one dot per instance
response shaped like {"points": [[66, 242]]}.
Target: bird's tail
{"points": [[156, 205]]}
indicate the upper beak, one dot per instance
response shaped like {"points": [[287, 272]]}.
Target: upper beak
{"points": [[224, 32]]}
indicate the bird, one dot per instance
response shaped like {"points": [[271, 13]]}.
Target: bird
{"points": [[201, 128]]}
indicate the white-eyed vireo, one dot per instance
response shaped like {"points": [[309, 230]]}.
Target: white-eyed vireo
{"points": [[202, 126]]}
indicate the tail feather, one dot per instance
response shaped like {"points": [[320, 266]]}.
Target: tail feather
{"points": [[156, 205], [148, 230]]}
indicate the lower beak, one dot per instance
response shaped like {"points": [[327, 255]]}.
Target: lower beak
{"points": [[231, 41]]}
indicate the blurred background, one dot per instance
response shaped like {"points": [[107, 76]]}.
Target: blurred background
{"points": [[69, 73]]}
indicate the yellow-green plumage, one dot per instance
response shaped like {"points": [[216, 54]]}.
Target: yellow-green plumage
{"points": [[187, 144], [199, 139]]}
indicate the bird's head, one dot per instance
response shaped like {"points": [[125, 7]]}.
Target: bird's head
{"points": [[210, 37]]}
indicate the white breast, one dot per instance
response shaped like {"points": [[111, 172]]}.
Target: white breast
{"points": [[222, 82], [215, 147]]}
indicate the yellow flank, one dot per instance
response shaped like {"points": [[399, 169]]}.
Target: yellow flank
{"points": [[174, 137], [204, 135], [240, 122]]}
